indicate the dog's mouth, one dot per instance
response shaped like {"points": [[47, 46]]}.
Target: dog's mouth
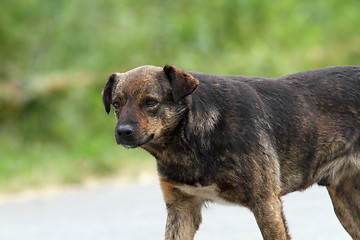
{"points": [[135, 145]]}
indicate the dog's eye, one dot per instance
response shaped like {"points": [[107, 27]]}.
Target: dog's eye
{"points": [[116, 105], [151, 102]]}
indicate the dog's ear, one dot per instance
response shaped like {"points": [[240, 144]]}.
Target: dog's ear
{"points": [[182, 83], [107, 92]]}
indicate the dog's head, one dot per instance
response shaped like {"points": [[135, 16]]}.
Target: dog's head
{"points": [[148, 102]]}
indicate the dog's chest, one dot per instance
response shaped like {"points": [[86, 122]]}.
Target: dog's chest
{"points": [[207, 193]]}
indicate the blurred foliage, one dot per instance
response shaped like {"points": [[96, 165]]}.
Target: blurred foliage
{"points": [[55, 57]]}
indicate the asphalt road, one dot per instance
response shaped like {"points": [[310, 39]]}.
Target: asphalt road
{"points": [[136, 212]]}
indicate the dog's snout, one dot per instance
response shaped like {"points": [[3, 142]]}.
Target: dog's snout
{"points": [[125, 130], [130, 137]]}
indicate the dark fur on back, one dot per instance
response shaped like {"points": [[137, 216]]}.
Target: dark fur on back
{"points": [[246, 140], [299, 115]]}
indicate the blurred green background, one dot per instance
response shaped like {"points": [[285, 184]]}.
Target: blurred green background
{"points": [[55, 57]]}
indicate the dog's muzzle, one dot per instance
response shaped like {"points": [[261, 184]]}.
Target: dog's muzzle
{"points": [[127, 136]]}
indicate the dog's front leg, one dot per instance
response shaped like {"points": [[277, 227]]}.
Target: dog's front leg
{"points": [[183, 220], [183, 213], [270, 218]]}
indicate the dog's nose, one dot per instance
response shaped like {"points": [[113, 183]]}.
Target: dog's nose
{"points": [[125, 130]]}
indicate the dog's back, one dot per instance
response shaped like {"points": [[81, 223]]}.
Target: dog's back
{"points": [[313, 119]]}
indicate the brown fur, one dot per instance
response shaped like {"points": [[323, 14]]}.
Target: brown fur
{"points": [[243, 140]]}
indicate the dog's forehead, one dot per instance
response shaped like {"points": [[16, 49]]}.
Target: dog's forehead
{"points": [[141, 79], [143, 71]]}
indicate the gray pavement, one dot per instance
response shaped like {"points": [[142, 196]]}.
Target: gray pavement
{"points": [[137, 211]]}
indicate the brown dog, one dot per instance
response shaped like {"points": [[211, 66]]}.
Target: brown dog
{"points": [[243, 140]]}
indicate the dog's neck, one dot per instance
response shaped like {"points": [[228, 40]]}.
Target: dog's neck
{"points": [[177, 158]]}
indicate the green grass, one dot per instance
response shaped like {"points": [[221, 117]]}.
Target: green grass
{"points": [[46, 165], [38, 163], [55, 57]]}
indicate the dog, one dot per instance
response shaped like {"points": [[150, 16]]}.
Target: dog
{"points": [[243, 140]]}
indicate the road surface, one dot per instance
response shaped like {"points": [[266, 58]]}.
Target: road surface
{"points": [[136, 211]]}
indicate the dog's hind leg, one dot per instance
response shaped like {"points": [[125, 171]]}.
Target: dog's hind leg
{"points": [[270, 218], [346, 200], [183, 213]]}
